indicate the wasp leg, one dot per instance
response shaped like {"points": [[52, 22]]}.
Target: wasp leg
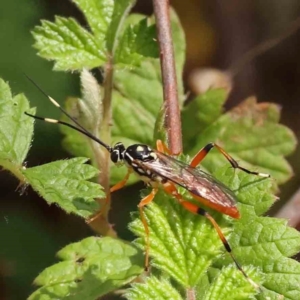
{"points": [[122, 183], [161, 147], [171, 189], [204, 151], [114, 188], [141, 205], [200, 211]]}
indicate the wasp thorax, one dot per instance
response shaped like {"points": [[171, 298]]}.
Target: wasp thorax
{"points": [[117, 153], [139, 152]]}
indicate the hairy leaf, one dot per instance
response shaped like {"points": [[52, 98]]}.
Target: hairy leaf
{"points": [[185, 246], [154, 288], [230, 285], [247, 132], [138, 41], [73, 48], [89, 269], [15, 129], [98, 14], [282, 279], [70, 45], [120, 12], [65, 183], [201, 113]]}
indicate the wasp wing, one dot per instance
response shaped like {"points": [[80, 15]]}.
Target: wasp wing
{"points": [[192, 179]]}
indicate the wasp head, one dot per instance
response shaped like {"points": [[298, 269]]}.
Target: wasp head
{"points": [[117, 153]]}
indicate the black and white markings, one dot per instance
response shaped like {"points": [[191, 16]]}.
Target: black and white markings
{"points": [[117, 153], [134, 156]]}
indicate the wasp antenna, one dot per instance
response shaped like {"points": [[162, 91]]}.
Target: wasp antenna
{"points": [[264, 175], [54, 102], [57, 104], [42, 91], [81, 130], [86, 133]]}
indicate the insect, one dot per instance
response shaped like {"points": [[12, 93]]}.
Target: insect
{"points": [[158, 169]]}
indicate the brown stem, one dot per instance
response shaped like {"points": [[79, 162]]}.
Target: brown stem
{"points": [[173, 121], [291, 209], [190, 294], [101, 224]]}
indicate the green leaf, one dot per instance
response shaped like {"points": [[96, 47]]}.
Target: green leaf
{"points": [[203, 111], [185, 246], [70, 45], [89, 269], [15, 130], [138, 41], [153, 288], [245, 187], [246, 132], [121, 10], [266, 243], [230, 285], [98, 14], [261, 241], [282, 279], [65, 183], [73, 47], [106, 18], [139, 92]]}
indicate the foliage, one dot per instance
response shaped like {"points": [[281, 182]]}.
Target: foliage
{"points": [[187, 255], [89, 269]]}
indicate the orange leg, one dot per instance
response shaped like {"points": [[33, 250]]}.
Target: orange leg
{"points": [[161, 147], [122, 183], [114, 188], [204, 151], [171, 189], [141, 205]]}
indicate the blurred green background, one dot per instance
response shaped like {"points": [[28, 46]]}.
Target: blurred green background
{"points": [[218, 33]]}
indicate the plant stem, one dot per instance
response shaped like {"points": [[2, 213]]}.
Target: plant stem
{"points": [[16, 171], [190, 294], [101, 224], [105, 132], [172, 111]]}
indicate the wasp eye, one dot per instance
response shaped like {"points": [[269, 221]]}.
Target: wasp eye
{"points": [[115, 156]]}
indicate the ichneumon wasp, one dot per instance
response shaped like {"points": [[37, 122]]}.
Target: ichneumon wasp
{"points": [[158, 169]]}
